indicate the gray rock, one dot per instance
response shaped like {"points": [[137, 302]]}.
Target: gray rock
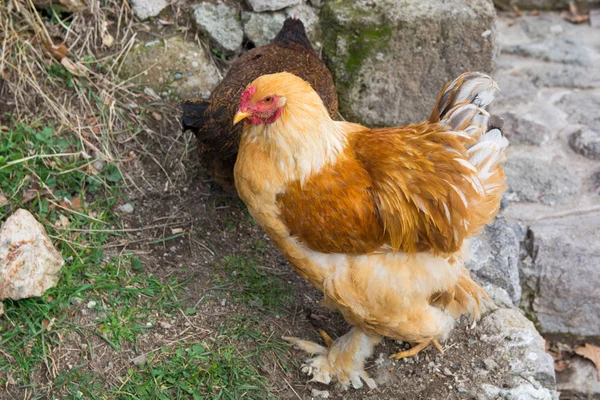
{"points": [[582, 108], [144, 9], [571, 76], [561, 50], [542, 4], [126, 208], [544, 26], [514, 90], [580, 380], [566, 256], [538, 181], [221, 23], [271, 5], [29, 262], [390, 59], [518, 343], [520, 129], [167, 59], [586, 142], [525, 390], [495, 257], [261, 28]]}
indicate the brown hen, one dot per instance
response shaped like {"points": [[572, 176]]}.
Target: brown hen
{"points": [[211, 119]]}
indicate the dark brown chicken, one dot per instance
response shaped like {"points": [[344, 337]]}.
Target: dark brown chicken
{"points": [[211, 120]]}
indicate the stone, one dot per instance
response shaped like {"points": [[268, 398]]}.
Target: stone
{"points": [[542, 4], [518, 344], [572, 76], [580, 380], [319, 394], [144, 9], [521, 129], [29, 262], [560, 50], [582, 108], [544, 26], [391, 59], [566, 256], [261, 28], [271, 5], [167, 59], [539, 181], [514, 90], [221, 24], [586, 142], [126, 208], [495, 257]]}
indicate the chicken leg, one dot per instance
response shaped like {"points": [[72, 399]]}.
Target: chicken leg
{"points": [[416, 349]]}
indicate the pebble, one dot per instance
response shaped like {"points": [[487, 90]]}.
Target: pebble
{"points": [[91, 304], [126, 208], [178, 76]]}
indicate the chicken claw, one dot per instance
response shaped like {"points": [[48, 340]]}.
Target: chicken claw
{"points": [[413, 351]]}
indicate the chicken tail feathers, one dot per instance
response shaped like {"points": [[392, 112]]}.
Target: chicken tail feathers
{"points": [[192, 117]]}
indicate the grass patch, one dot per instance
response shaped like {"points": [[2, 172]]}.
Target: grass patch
{"points": [[228, 367], [99, 295], [254, 286]]}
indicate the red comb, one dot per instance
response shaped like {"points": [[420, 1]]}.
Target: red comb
{"points": [[246, 96]]}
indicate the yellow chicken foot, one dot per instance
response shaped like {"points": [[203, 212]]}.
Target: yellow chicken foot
{"points": [[416, 349], [326, 338]]}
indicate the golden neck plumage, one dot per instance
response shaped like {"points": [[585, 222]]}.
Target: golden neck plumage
{"points": [[302, 140]]}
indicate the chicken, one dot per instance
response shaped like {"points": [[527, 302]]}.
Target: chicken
{"points": [[211, 120], [376, 219]]}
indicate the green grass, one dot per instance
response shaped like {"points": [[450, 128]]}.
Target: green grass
{"points": [[254, 286], [225, 368], [42, 170]]}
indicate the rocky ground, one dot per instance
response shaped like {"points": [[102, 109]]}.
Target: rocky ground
{"points": [[538, 261]]}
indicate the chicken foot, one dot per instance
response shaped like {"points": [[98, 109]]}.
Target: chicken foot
{"points": [[416, 349], [343, 359]]}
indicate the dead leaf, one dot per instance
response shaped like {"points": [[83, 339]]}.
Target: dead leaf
{"points": [[62, 222], [58, 52], [574, 16], [107, 38], [3, 200], [156, 116], [76, 204], [516, 10], [592, 353], [74, 68]]}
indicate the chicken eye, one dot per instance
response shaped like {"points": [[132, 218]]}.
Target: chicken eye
{"points": [[268, 99]]}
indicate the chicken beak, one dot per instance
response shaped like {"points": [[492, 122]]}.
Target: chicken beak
{"points": [[240, 115]]}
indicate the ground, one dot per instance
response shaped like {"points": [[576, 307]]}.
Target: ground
{"points": [[169, 290]]}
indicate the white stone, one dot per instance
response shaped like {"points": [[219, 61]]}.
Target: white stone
{"points": [[29, 262], [144, 9]]}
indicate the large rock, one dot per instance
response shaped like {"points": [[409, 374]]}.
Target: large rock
{"points": [[580, 380], [144, 9], [391, 58], [261, 28], [495, 257], [566, 274], [179, 69], [568, 76], [542, 4], [582, 108], [522, 129], [530, 370], [586, 142], [29, 263], [560, 50], [221, 24], [538, 181]]}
